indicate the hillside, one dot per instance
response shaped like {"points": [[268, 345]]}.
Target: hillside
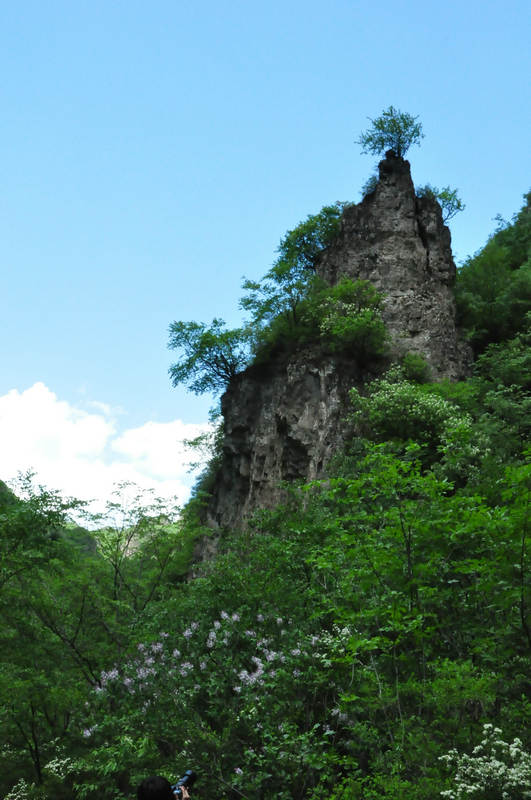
{"points": [[362, 630]]}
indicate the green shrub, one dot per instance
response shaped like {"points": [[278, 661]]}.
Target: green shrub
{"points": [[349, 319], [398, 410], [343, 319], [416, 368]]}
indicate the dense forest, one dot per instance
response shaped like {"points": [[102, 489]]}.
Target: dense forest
{"points": [[371, 638]]}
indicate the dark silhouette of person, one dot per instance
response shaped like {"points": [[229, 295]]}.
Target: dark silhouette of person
{"points": [[158, 788]]}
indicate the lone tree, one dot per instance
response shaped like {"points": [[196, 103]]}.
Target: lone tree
{"points": [[210, 355], [393, 130]]}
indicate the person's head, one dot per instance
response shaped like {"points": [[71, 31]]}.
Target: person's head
{"points": [[155, 788]]}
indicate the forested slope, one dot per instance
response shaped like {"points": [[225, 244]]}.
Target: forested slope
{"points": [[340, 646]]}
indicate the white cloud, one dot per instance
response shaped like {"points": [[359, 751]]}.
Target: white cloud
{"points": [[83, 453]]}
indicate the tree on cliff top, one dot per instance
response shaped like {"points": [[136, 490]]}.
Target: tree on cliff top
{"points": [[393, 130]]}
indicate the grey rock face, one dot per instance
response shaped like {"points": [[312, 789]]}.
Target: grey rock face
{"points": [[400, 243], [285, 420]]}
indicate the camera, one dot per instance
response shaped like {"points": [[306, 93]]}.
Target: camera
{"points": [[188, 780]]}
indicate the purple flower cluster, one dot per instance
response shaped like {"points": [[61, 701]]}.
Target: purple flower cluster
{"points": [[177, 668], [232, 667], [111, 675]]}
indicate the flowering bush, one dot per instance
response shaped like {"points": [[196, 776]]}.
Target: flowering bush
{"points": [[24, 791], [350, 319], [496, 770], [396, 409], [242, 698]]}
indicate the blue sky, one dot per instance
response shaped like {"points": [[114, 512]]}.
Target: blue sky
{"points": [[155, 153]]}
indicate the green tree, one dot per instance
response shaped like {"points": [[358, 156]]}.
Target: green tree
{"points": [[291, 278], [39, 683], [393, 130], [448, 199], [421, 579], [493, 289], [141, 543], [211, 354], [370, 185], [69, 604], [29, 527]]}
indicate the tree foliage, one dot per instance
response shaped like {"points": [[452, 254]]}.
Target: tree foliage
{"points": [[335, 648], [211, 354], [370, 185], [398, 410], [66, 611], [291, 278], [350, 321], [494, 287], [292, 306], [448, 199], [394, 130]]}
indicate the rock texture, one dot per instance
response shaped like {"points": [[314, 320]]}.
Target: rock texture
{"points": [[399, 242], [285, 420]]}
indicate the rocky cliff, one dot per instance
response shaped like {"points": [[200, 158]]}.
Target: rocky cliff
{"points": [[399, 242], [285, 419]]}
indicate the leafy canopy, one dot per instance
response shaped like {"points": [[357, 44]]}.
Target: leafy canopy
{"points": [[211, 354], [290, 279], [350, 321], [448, 199], [493, 289], [393, 130]]}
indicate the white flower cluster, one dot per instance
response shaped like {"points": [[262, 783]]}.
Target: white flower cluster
{"points": [[60, 767], [496, 769], [23, 791], [334, 310], [396, 407]]}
